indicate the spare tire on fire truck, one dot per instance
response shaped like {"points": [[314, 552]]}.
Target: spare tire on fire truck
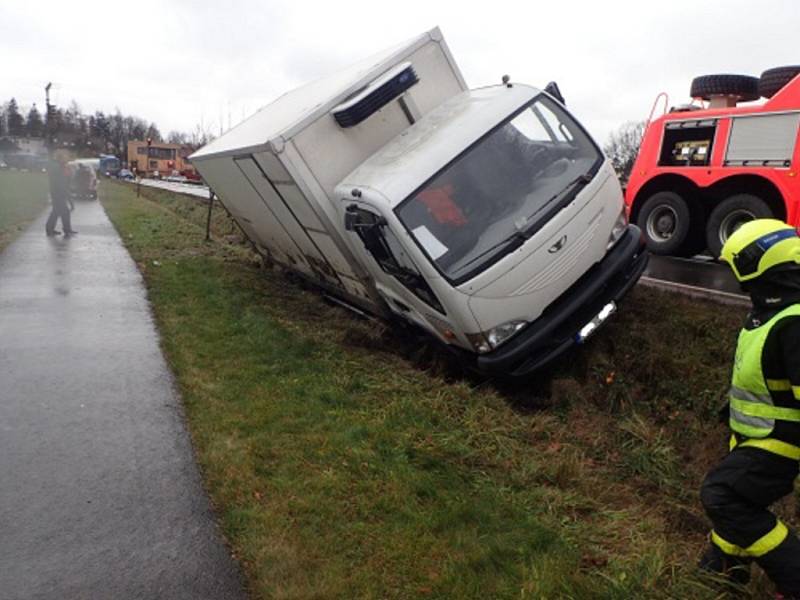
{"points": [[772, 80], [743, 86]]}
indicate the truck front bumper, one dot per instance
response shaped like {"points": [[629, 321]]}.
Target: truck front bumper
{"points": [[556, 330]]}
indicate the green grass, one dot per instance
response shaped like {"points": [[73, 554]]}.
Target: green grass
{"points": [[343, 466], [23, 196]]}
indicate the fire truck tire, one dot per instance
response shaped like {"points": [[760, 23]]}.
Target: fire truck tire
{"points": [[772, 80], [665, 220], [743, 86], [729, 215]]}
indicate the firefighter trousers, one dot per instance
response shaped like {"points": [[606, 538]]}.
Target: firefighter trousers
{"points": [[736, 495]]}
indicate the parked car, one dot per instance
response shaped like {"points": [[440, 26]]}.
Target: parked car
{"points": [[176, 177], [125, 174], [192, 176], [83, 183], [703, 170]]}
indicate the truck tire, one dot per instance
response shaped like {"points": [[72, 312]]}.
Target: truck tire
{"points": [[772, 80], [665, 220], [729, 215], [744, 86]]}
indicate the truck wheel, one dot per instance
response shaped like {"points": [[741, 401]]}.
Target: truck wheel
{"points": [[665, 220], [773, 80], [744, 86], [729, 215]]}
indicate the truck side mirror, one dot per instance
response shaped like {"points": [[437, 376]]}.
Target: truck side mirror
{"points": [[351, 217], [552, 89]]}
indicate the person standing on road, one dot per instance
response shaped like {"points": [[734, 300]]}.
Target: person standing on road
{"points": [[58, 176], [763, 414]]}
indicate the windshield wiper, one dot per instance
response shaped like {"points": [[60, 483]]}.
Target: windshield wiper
{"points": [[581, 180], [524, 233], [517, 236]]}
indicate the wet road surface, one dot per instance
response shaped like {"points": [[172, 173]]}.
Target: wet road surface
{"points": [[189, 189], [698, 277], [99, 493]]}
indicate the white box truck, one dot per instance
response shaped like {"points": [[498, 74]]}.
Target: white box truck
{"points": [[488, 218]]}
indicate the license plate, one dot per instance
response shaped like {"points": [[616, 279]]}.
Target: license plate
{"points": [[593, 325]]}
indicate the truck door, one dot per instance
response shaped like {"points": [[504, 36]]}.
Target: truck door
{"points": [[396, 276], [287, 221]]}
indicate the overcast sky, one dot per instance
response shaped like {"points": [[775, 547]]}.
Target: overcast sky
{"points": [[183, 62]]}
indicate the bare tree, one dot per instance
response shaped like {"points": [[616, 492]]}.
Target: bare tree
{"points": [[201, 135], [623, 146], [153, 133], [177, 137]]}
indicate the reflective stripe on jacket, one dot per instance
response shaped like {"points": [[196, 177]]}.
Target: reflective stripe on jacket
{"points": [[753, 412]]}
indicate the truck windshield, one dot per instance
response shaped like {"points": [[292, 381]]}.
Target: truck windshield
{"points": [[500, 191]]}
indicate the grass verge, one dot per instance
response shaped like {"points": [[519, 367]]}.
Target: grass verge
{"points": [[342, 467], [23, 196]]}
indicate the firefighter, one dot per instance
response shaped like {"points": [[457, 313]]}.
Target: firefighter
{"points": [[763, 412]]}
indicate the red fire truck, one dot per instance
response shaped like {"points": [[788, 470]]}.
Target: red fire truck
{"points": [[705, 168]]}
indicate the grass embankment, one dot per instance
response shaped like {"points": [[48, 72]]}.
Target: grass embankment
{"points": [[23, 196], [341, 468]]}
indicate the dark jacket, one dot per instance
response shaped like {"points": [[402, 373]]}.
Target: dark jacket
{"points": [[59, 181]]}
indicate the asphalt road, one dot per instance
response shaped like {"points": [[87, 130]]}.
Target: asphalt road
{"points": [[189, 189], [695, 277], [100, 496]]}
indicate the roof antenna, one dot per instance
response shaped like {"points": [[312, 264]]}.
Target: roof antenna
{"points": [[506, 80]]}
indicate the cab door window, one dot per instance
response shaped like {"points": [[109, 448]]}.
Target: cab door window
{"points": [[382, 244]]}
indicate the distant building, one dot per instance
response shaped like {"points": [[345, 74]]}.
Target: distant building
{"points": [[159, 158]]}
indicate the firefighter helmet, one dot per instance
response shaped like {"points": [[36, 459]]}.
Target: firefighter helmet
{"points": [[760, 245]]}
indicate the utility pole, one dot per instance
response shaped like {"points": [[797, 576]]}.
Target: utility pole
{"points": [[48, 141], [210, 209]]}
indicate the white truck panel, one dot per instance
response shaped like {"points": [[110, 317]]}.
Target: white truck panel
{"points": [[332, 152], [431, 64], [285, 219], [273, 167], [286, 187], [332, 253], [300, 206], [252, 215]]}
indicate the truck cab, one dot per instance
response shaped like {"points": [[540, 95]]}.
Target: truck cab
{"points": [[496, 224]]}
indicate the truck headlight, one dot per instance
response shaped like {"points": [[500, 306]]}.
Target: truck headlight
{"points": [[618, 230], [489, 340]]}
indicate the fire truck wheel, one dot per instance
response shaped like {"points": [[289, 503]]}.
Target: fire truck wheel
{"points": [[665, 220], [743, 86], [773, 80], [729, 215]]}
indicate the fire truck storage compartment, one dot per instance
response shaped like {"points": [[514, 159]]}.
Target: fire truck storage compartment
{"points": [[687, 143], [762, 140]]}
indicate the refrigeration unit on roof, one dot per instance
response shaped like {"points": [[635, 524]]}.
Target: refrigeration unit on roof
{"points": [[375, 96]]}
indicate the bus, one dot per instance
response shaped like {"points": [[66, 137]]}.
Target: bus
{"points": [[109, 165]]}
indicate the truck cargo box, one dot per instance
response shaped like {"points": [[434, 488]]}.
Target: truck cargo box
{"points": [[276, 171]]}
